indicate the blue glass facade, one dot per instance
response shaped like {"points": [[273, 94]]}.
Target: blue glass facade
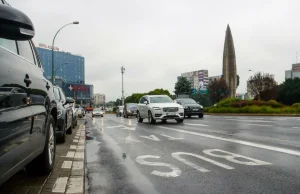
{"points": [[73, 72]]}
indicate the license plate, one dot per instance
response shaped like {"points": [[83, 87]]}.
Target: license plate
{"points": [[195, 109], [170, 114]]}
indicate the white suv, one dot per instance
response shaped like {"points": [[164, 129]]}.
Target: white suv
{"points": [[159, 107]]}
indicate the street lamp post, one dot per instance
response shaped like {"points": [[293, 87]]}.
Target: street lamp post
{"points": [[76, 22], [122, 71], [58, 69]]}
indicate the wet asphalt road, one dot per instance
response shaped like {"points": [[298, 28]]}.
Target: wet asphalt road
{"points": [[215, 154]]}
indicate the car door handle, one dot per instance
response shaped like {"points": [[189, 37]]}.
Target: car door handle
{"points": [[47, 86], [27, 80]]}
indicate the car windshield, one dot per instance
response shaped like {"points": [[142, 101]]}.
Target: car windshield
{"points": [[187, 101], [132, 105], [3, 89], [160, 99], [97, 109]]}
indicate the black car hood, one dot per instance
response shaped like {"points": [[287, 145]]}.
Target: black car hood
{"points": [[191, 105]]}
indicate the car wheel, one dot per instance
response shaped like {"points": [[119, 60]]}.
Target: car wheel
{"points": [[62, 138], [164, 121], [150, 118], [139, 119], [44, 163], [200, 115], [179, 120]]}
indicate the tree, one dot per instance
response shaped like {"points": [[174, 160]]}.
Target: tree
{"points": [[263, 86], [203, 99], [160, 92], [218, 90], [135, 97], [118, 102], [289, 91], [183, 86]]}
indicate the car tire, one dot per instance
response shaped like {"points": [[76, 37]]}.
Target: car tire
{"points": [[44, 163], [150, 118], [139, 119], [200, 115], [164, 121], [179, 120], [62, 138]]}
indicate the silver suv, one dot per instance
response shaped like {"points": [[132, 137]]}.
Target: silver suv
{"points": [[159, 107]]}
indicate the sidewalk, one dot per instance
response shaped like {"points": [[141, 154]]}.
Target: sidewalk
{"points": [[67, 175]]}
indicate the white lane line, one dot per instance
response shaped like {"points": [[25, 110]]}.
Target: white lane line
{"points": [[171, 138], [260, 125], [195, 124], [60, 185], [262, 121], [296, 127], [75, 185], [67, 164], [267, 147]]}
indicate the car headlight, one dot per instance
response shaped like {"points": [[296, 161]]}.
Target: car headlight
{"points": [[181, 107], [156, 108], [59, 113], [201, 106]]}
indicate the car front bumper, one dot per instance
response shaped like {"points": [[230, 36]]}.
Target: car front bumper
{"points": [[193, 111], [160, 115]]}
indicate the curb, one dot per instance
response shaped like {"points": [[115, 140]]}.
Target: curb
{"points": [[258, 114]]}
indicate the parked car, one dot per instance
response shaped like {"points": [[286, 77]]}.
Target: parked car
{"points": [[119, 111], [130, 109], [28, 110], [74, 115], [191, 107], [159, 107], [64, 114], [97, 112]]}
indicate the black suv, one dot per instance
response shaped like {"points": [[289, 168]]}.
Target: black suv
{"points": [[130, 109], [191, 107], [64, 114], [28, 110]]}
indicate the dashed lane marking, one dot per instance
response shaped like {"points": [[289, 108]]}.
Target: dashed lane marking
{"points": [[195, 124], [267, 147], [258, 121], [260, 125]]}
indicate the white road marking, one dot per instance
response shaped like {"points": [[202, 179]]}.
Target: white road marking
{"points": [[75, 185], [151, 137], [70, 154], [260, 125], [60, 185], [114, 126], [129, 138], [171, 138], [77, 165], [195, 124], [267, 147], [122, 127], [175, 170], [67, 164], [177, 156], [262, 121], [232, 157], [296, 127]]}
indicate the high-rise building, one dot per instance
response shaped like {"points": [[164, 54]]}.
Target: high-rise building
{"points": [[229, 63], [199, 79], [72, 72], [99, 99], [294, 72]]}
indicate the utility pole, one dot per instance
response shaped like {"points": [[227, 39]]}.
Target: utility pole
{"points": [[122, 71]]}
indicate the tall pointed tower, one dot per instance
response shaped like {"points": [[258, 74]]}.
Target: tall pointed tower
{"points": [[229, 65]]}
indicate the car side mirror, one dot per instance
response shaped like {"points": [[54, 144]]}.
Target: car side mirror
{"points": [[14, 24], [69, 101], [145, 102]]}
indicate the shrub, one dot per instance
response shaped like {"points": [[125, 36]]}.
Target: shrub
{"points": [[296, 105], [228, 102]]}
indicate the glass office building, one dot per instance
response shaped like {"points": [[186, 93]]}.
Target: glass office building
{"points": [[67, 66]]}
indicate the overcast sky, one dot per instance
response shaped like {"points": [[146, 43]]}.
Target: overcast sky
{"points": [[156, 40]]}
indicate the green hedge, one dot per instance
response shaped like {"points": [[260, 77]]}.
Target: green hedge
{"points": [[254, 109]]}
